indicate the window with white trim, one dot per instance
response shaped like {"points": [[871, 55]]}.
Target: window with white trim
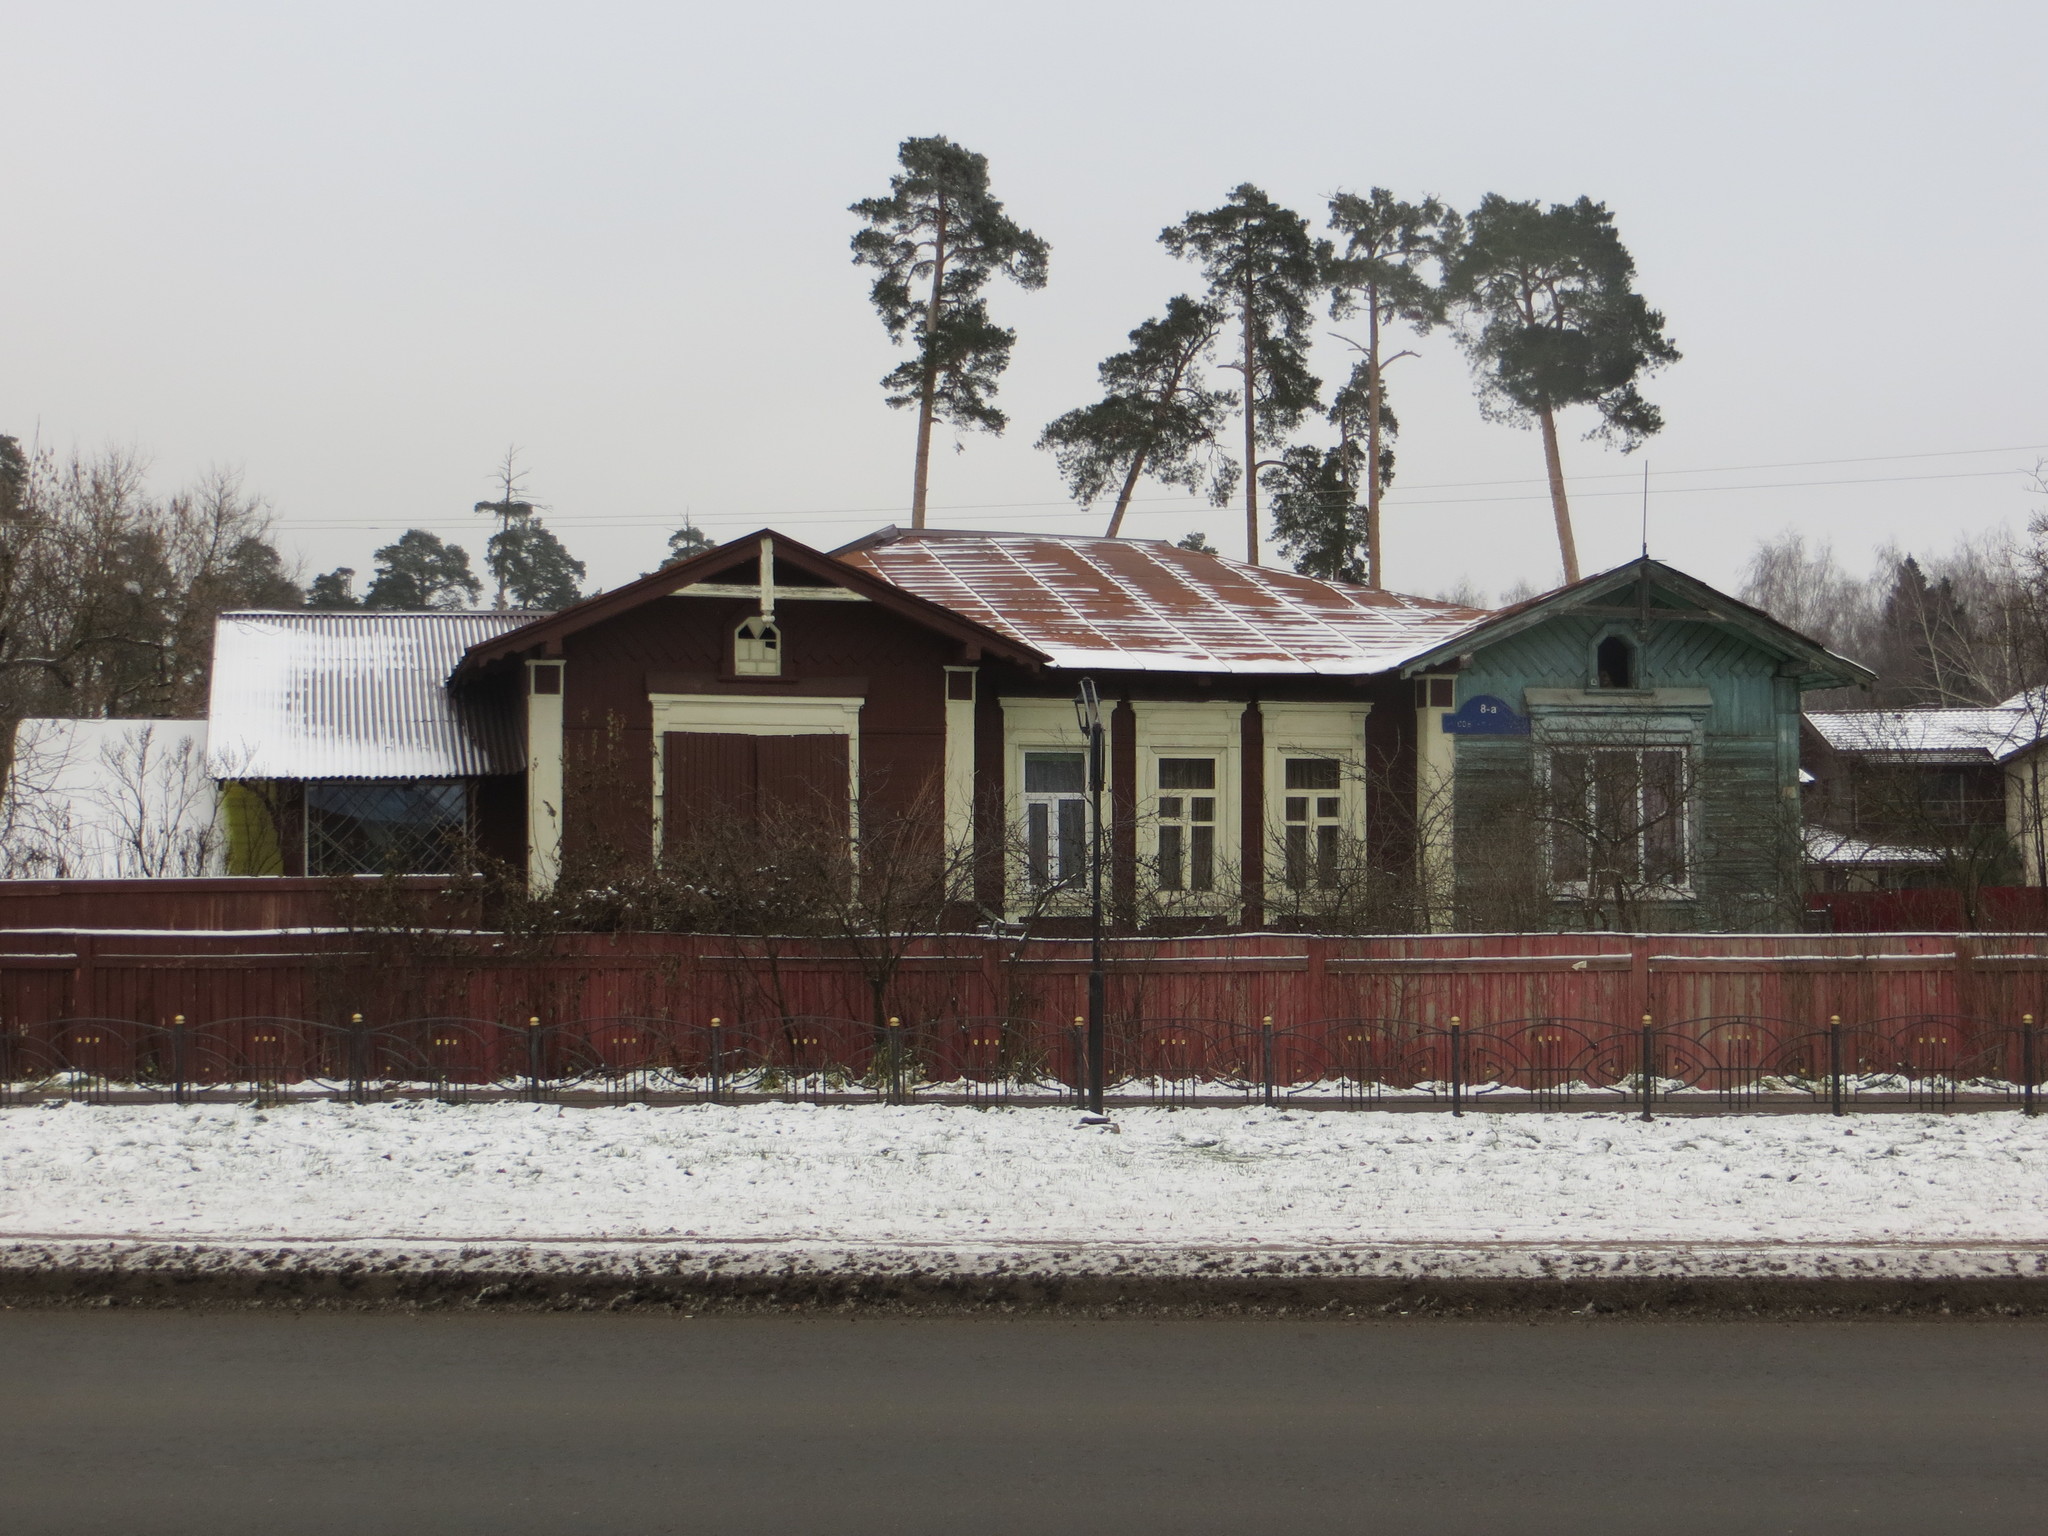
{"points": [[1620, 817], [1312, 833], [1055, 818], [757, 648], [1185, 810]]}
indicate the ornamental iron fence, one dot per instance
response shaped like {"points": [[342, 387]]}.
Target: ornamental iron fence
{"points": [[1717, 1064]]}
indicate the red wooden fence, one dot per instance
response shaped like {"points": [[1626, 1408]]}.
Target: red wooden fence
{"points": [[2004, 908], [1484, 980], [224, 902]]}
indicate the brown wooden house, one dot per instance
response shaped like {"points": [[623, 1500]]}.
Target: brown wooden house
{"points": [[1270, 736]]}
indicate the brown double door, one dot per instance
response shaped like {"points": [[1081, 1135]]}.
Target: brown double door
{"points": [[715, 783]]}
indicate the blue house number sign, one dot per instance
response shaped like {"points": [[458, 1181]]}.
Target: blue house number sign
{"points": [[1486, 715]]}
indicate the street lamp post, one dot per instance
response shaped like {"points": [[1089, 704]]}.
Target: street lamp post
{"points": [[1088, 710]]}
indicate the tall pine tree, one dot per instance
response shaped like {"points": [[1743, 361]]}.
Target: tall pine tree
{"points": [[1553, 320], [1266, 271], [935, 241], [531, 567], [1382, 275], [418, 570], [1319, 519], [1157, 416]]}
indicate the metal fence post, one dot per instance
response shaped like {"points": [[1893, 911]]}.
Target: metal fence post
{"points": [[1457, 1067], [895, 1060], [717, 1060], [177, 1058], [1649, 1065], [1076, 1033], [358, 1074], [533, 1058], [1266, 1055], [2027, 1072], [1834, 1063]]}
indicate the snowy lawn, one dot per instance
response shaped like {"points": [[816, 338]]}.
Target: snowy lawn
{"points": [[931, 1174]]}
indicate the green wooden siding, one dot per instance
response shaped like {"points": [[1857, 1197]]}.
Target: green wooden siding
{"points": [[1745, 848]]}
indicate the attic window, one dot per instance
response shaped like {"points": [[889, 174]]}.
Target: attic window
{"points": [[757, 649], [1615, 663]]}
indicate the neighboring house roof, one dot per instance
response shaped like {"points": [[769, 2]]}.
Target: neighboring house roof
{"points": [[545, 632], [1144, 605], [1934, 736], [1679, 599], [1839, 849], [306, 695], [108, 800]]}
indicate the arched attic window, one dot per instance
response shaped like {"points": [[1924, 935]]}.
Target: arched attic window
{"points": [[1614, 663], [757, 648]]}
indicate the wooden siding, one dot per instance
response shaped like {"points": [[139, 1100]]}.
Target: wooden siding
{"points": [[1748, 828], [896, 667]]}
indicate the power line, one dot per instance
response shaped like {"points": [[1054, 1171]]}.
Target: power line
{"points": [[1067, 509], [1183, 505]]}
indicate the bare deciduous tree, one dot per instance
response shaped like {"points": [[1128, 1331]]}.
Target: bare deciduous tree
{"points": [[108, 593]]}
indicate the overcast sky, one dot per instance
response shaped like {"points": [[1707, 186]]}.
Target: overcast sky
{"points": [[357, 250]]}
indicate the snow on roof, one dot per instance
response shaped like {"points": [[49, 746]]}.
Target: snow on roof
{"points": [[355, 696], [1825, 846], [1935, 735], [1144, 605]]}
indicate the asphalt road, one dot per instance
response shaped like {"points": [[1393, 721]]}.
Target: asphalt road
{"points": [[166, 1423]]}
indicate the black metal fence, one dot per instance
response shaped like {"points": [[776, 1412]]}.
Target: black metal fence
{"points": [[1927, 1062]]}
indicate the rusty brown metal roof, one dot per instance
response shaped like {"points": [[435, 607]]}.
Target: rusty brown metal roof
{"points": [[1144, 605]]}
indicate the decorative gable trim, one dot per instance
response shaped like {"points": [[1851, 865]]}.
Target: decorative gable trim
{"points": [[1812, 664], [545, 636]]}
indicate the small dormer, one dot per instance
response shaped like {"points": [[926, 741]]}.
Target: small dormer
{"points": [[757, 648], [1617, 663]]}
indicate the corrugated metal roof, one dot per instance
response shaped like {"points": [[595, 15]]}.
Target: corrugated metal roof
{"points": [[355, 696], [1932, 735], [1144, 605]]}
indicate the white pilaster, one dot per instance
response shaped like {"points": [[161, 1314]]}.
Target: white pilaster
{"points": [[959, 773], [543, 774], [1436, 767]]}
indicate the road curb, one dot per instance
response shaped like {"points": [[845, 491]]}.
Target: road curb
{"points": [[1358, 1280]]}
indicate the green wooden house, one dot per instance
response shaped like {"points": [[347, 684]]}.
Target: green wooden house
{"points": [[1623, 752]]}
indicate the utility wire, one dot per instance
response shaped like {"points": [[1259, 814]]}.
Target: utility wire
{"points": [[1182, 504]]}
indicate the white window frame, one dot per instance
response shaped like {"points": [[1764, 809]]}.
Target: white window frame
{"points": [[757, 647], [1186, 823], [1331, 731], [1209, 728], [1607, 720], [1063, 881], [1039, 725], [1691, 755]]}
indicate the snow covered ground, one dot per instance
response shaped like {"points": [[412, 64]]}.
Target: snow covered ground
{"points": [[1184, 1190]]}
